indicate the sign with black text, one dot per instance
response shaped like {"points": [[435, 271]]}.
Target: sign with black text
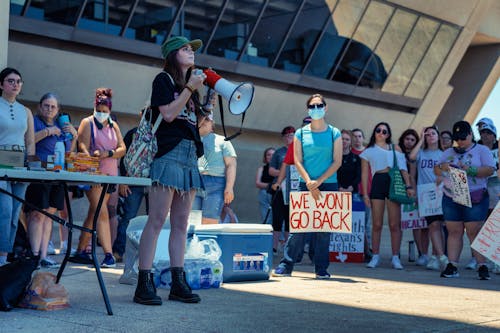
{"points": [[331, 213]]}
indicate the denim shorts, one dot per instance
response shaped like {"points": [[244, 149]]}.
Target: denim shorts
{"points": [[211, 204], [453, 211], [178, 169]]}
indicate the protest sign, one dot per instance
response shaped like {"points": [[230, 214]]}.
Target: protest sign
{"points": [[410, 218], [460, 187], [487, 241], [350, 247], [429, 199], [331, 213]]}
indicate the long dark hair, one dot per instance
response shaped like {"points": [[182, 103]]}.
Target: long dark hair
{"points": [[401, 141], [426, 146], [388, 140], [265, 153], [173, 68]]}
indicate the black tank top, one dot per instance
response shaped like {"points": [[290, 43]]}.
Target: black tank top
{"points": [[266, 177]]}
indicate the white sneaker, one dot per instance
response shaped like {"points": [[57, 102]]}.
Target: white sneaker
{"points": [[396, 263], [374, 262], [472, 265], [433, 264], [51, 250], [422, 260]]}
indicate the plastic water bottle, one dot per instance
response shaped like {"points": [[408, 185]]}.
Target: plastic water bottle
{"points": [[59, 152], [205, 274], [192, 274], [217, 272]]}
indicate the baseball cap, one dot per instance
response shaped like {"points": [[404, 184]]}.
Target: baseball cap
{"points": [[177, 42], [461, 129], [486, 124], [287, 130]]}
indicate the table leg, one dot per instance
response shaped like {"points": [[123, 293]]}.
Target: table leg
{"points": [[94, 256], [70, 234]]}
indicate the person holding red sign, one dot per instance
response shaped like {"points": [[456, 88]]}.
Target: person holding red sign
{"points": [[317, 156]]}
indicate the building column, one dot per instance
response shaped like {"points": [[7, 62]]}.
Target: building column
{"points": [[4, 32]]}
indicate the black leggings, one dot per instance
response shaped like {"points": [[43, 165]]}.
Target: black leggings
{"points": [[281, 214]]}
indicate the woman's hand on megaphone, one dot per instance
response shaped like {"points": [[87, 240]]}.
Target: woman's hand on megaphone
{"points": [[196, 79]]}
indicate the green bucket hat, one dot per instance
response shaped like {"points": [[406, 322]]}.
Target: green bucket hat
{"points": [[175, 43]]}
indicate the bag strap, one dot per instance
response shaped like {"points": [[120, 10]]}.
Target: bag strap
{"points": [[395, 161]]}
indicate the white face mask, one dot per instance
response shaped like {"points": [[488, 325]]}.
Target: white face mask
{"points": [[317, 113], [101, 116]]}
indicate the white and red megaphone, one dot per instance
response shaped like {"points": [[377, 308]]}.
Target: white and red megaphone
{"points": [[238, 95]]}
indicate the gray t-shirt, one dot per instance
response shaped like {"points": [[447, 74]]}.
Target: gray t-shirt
{"points": [[215, 148], [426, 160]]}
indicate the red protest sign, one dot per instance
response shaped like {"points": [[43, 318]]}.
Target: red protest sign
{"points": [[331, 213]]}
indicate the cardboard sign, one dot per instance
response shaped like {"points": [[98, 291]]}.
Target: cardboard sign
{"points": [[460, 187], [410, 218], [487, 241], [430, 197], [350, 247], [331, 213]]}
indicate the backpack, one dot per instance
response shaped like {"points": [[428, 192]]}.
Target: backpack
{"points": [[143, 148]]}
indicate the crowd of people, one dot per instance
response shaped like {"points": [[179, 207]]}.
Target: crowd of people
{"points": [[195, 168]]}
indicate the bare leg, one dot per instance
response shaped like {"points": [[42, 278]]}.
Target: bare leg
{"points": [[160, 200], [472, 229], [455, 239], [436, 238], [46, 233], [377, 221], [179, 215], [394, 210], [102, 223]]}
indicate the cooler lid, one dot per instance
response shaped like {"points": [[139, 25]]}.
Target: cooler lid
{"points": [[233, 228]]}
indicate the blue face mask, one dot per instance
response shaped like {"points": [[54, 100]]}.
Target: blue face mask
{"points": [[317, 113]]}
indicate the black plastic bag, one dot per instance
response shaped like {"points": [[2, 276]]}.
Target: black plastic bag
{"points": [[14, 278]]}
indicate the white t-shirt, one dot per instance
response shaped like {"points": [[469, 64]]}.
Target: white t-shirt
{"points": [[380, 158]]}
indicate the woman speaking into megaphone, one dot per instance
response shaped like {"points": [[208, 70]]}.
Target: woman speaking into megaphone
{"points": [[174, 171]]}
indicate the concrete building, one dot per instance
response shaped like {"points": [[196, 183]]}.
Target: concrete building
{"points": [[410, 63]]}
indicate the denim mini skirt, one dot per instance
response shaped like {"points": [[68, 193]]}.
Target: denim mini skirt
{"points": [[178, 169]]}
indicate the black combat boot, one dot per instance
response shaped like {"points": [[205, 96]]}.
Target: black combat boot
{"points": [[145, 293], [180, 290]]}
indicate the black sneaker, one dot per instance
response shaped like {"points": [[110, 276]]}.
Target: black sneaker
{"points": [[450, 271], [483, 273], [81, 257]]}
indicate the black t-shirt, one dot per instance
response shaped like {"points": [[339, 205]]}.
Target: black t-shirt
{"points": [[349, 173], [184, 126]]}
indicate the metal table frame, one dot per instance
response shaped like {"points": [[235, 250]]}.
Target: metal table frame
{"points": [[65, 179]]}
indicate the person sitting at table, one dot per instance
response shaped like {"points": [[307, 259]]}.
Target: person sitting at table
{"points": [[48, 197], [16, 131], [100, 137]]}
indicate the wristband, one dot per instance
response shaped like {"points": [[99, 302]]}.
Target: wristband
{"points": [[110, 153], [408, 187], [471, 171], [188, 87], [47, 132]]}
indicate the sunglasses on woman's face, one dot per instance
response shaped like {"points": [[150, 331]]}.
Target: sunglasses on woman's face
{"points": [[315, 106], [381, 130]]}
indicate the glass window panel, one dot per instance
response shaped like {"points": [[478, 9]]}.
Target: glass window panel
{"points": [[59, 11], [152, 20], [303, 36], [198, 19], [411, 55], [432, 62], [360, 50], [394, 37], [233, 30], [347, 15], [272, 29]]}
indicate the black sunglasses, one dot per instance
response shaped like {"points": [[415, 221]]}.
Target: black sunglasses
{"points": [[317, 106], [380, 130]]}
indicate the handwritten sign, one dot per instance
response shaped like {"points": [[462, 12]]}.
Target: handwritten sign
{"points": [[487, 241], [350, 247], [331, 213], [410, 218], [429, 199], [460, 187]]}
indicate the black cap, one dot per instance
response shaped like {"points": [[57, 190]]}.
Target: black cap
{"points": [[461, 129]]}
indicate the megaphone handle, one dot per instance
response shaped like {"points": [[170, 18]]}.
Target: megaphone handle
{"points": [[222, 115]]}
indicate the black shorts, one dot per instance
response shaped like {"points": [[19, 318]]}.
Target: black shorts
{"points": [[45, 196], [434, 218], [381, 183]]}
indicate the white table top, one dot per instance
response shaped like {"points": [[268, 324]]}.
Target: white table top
{"points": [[70, 177]]}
